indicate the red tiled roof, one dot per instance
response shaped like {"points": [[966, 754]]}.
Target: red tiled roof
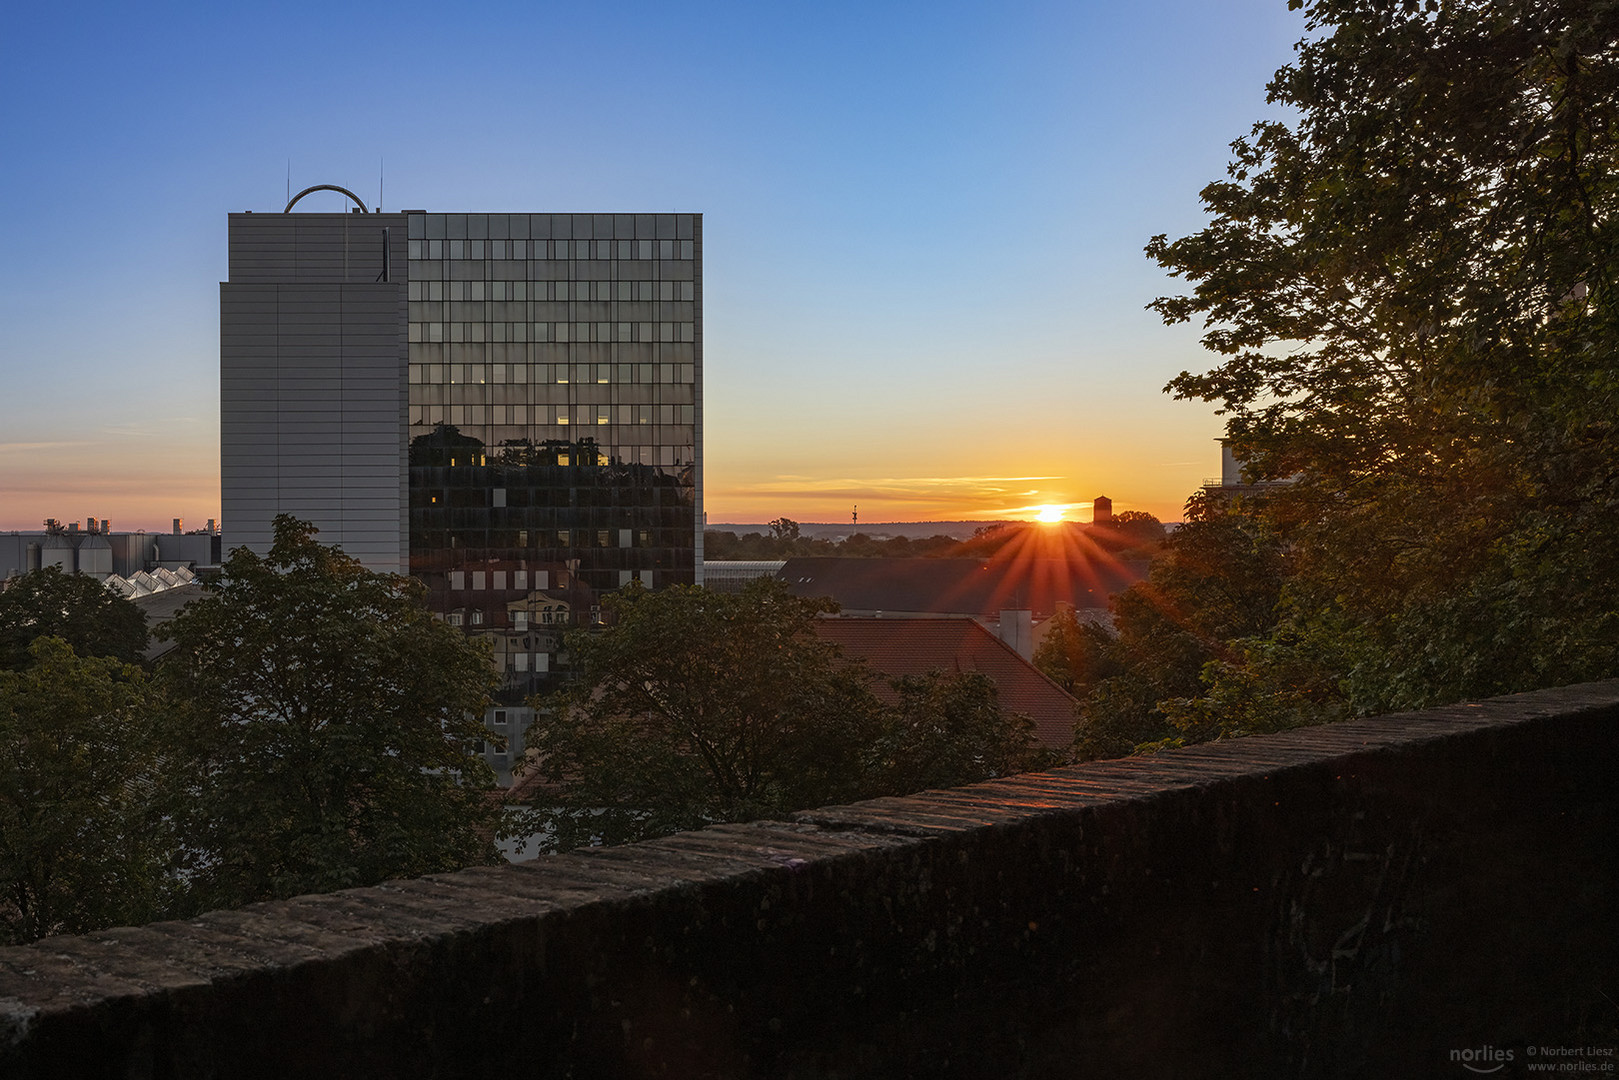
{"points": [[896, 647]]}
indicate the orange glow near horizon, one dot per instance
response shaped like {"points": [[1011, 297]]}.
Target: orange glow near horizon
{"points": [[812, 503], [107, 479], [739, 488], [113, 474]]}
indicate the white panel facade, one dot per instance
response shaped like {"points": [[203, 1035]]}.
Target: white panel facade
{"points": [[312, 383]]}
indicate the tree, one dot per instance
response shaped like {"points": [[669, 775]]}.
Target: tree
{"points": [[1216, 583], [73, 607], [1072, 653], [948, 729], [784, 528], [1412, 292], [695, 707], [332, 720], [86, 839], [1139, 526]]}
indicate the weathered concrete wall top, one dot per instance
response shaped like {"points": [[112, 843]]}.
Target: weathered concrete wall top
{"points": [[1373, 898]]}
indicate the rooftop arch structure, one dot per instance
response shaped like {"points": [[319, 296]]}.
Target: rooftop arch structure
{"points": [[326, 187]]}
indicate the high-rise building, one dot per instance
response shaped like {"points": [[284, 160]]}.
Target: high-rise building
{"points": [[506, 406]]}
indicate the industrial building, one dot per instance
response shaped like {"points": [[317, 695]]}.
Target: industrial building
{"points": [[99, 552]]}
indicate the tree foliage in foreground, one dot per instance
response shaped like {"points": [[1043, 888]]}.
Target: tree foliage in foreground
{"points": [[331, 721], [1412, 292], [697, 707]]}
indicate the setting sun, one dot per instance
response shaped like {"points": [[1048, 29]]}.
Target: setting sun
{"points": [[1049, 513]]}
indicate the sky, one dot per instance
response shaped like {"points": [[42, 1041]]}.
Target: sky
{"points": [[923, 223]]}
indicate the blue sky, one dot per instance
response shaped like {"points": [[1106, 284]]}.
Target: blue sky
{"points": [[923, 222]]}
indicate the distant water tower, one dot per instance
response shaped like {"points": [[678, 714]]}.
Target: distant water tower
{"points": [[1101, 510]]}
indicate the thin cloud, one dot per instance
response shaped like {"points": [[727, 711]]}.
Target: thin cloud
{"points": [[928, 485], [29, 447], [848, 494]]}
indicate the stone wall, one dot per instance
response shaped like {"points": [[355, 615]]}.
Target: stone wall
{"points": [[1369, 899]]}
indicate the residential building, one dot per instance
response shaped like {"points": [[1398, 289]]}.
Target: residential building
{"points": [[507, 406]]}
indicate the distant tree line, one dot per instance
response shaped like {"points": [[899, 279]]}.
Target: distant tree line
{"points": [[1130, 529], [788, 544]]}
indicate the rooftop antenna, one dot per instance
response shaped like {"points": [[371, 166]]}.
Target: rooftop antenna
{"points": [[379, 185], [289, 180]]}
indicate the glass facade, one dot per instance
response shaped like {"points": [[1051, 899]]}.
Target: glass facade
{"points": [[555, 418]]}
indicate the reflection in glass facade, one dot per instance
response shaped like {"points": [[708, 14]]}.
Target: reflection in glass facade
{"points": [[555, 411]]}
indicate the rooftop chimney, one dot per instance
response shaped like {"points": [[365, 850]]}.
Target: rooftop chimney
{"points": [[1017, 630]]}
